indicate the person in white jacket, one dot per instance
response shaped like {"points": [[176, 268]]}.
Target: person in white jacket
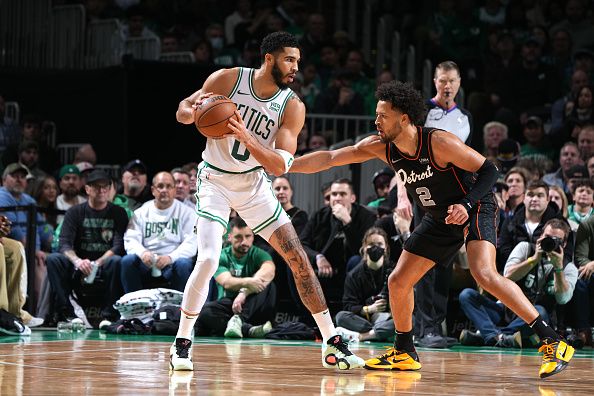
{"points": [[160, 239]]}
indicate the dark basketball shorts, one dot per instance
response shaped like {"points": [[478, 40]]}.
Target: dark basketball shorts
{"points": [[439, 242]]}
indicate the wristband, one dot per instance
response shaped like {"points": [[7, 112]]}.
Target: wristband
{"points": [[557, 270], [366, 311], [243, 290]]}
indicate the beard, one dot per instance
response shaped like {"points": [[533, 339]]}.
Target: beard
{"points": [[277, 75]]}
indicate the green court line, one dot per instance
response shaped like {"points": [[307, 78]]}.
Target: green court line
{"points": [[50, 335]]}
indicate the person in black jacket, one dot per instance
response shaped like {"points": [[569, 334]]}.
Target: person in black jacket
{"points": [[92, 234], [365, 301], [334, 234], [528, 221]]}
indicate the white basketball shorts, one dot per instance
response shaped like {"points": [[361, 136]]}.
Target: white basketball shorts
{"points": [[249, 193]]}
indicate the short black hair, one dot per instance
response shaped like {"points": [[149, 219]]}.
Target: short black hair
{"points": [[344, 180], [403, 97], [276, 41], [237, 222], [534, 184]]}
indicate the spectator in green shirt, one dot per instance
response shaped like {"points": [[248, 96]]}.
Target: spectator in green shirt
{"points": [[247, 296]]}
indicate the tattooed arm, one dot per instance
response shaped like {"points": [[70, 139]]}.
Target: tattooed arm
{"points": [[287, 244]]}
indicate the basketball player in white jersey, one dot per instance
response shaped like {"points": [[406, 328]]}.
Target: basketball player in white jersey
{"points": [[233, 175]]}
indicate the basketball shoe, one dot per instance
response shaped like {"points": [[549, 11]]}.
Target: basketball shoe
{"points": [[394, 360], [180, 355], [233, 329], [336, 353], [556, 357]]}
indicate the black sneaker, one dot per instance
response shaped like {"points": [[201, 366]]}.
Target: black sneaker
{"points": [[433, 341], [180, 355], [509, 340], [336, 353], [11, 325], [471, 338]]}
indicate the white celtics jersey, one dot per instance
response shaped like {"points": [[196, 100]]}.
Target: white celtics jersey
{"points": [[262, 118]]}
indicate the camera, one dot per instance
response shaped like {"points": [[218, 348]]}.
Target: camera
{"points": [[548, 244]]}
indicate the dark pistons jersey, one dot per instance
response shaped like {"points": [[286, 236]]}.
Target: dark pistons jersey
{"points": [[432, 187]]}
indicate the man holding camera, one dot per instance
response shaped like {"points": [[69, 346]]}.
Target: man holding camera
{"points": [[544, 274]]}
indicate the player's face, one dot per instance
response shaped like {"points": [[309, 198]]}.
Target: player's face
{"points": [[285, 66], [388, 121], [241, 240], [282, 190]]}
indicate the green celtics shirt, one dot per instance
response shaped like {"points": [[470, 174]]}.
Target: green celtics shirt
{"points": [[243, 267]]}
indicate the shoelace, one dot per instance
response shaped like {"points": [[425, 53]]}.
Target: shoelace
{"points": [[548, 351], [389, 353], [182, 349], [341, 345]]}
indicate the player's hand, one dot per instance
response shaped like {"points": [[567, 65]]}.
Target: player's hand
{"points": [[341, 213], [586, 271], [379, 306], [404, 208], [201, 99], [457, 214], [237, 126], [401, 224], [238, 303], [324, 267]]}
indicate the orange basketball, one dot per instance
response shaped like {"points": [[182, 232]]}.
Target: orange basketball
{"points": [[212, 115]]}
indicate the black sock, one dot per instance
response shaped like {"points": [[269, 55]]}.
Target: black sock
{"points": [[403, 341], [543, 330]]}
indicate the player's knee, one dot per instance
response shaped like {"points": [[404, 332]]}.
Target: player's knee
{"points": [[486, 278], [396, 282]]}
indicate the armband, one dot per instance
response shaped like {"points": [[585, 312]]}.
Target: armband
{"points": [[287, 157]]}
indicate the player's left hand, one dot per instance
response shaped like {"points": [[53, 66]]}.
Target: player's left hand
{"points": [[457, 214], [237, 125]]}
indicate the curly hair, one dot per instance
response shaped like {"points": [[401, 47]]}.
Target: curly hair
{"points": [[404, 97], [276, 41]]}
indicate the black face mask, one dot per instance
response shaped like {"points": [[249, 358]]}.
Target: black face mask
{"points": [[375, 252]]}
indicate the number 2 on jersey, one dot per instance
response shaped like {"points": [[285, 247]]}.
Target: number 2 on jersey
{"points": [[425, 196], [241, 157]]}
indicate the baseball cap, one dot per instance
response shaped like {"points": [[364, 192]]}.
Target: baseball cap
{"points": [[507, 154], [577, 172], [84, 166], [16, 166], [67, 169], [135, 164], [382, 175], [96, 176], [534, 120]]}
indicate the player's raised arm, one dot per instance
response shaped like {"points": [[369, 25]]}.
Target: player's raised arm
{"points": [[366, 149], [220, 82]]}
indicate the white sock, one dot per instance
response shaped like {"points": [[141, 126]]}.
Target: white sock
{"points": [[324, 322], [186, 324]]}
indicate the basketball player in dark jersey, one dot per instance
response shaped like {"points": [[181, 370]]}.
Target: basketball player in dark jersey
{"points": [[432, 164]]}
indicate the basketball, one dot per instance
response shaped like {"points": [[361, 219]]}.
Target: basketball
{"points": [[212, 115]]}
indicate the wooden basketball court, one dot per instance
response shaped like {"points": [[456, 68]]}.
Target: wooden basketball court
{"points": [[51, 363]]}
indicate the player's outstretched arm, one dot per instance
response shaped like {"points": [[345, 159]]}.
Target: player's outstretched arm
{"points": [[366, 149], [220, 82]]}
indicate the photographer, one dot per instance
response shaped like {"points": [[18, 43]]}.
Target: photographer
{"points": [[367, 315], [544, 274]]}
